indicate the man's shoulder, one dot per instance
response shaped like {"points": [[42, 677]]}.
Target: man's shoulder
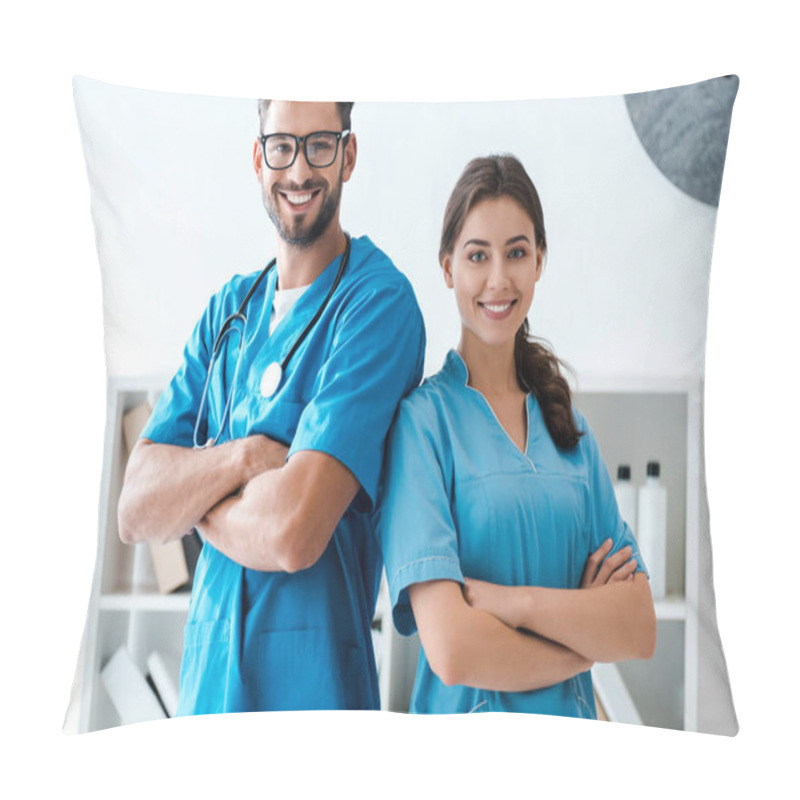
{"points": [[372, 268], [230, 294]]}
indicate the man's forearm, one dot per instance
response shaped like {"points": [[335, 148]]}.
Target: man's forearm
{"points": [[169, 489], [283, 519]]}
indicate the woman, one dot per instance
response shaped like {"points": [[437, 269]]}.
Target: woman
{"points": [[500, 532]]}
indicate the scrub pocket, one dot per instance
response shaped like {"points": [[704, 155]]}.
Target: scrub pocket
{"points": [[206, 647], [274, 417], [306, 670]]}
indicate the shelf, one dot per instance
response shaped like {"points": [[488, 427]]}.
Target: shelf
{"points": [[614, 695], [671, 609], [145, 601]]}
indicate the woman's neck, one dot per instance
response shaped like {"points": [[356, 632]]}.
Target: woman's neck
{"points": [[492, 369]]}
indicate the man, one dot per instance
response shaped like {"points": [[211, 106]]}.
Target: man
{"points": [[285, 588]]}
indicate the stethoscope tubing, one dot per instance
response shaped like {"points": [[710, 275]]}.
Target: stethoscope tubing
{"points": [[240, 315]]}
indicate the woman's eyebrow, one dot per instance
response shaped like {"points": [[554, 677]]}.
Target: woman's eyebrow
{"points": [[483, 243]]}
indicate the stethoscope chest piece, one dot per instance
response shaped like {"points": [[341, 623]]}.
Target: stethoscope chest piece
{"points": [[271, 379]]}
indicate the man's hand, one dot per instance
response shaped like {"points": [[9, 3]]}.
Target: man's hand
{"points": [[601, 568], [168, 489], [261, 454]]}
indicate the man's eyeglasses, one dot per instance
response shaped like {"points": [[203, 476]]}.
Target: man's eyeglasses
{"points": [[320, 148]]}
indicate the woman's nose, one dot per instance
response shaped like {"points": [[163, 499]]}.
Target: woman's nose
{"points": [[498, 274]]}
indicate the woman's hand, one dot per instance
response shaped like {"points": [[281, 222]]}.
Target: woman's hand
{"points": [[493, 598], [600, 569]]}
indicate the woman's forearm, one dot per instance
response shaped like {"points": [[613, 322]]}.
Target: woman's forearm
{"points": [[608, 623], [467, 646]]}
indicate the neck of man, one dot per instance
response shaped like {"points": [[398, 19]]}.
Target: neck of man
{"points": [[301, 266], [492, 370]]}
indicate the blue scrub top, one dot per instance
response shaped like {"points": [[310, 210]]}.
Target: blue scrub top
{"points": [[461, 499], [269, 641]]}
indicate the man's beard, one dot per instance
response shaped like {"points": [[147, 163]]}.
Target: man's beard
{"points": [[297, 236]]}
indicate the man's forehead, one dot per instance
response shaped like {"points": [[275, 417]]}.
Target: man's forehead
{"points": [[300, 118]]}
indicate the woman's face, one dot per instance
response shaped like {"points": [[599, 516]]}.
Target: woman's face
{"points": [[493, 270]]}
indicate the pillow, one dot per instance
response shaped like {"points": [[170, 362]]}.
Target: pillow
{"points": [[630, 187]]}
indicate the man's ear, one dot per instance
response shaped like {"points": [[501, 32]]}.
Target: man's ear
{"points": [[350, 153], [258, 157]]}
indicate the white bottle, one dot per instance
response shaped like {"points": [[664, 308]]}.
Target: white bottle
{"points": [[625, 493], [652, 532]]}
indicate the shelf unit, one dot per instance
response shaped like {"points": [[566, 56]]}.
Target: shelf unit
{"points": [[636, 421], [126, 608]]}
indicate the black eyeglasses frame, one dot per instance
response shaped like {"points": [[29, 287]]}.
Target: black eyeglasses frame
{"points": [[301, 141]]}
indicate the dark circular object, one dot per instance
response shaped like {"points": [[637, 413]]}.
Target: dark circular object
{"points": [[685, 131]]}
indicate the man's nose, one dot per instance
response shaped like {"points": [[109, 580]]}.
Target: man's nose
{"points": [[301, 171]]}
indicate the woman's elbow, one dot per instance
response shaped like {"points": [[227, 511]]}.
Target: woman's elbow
{"points": [[447, 666], [646, 629], [647, 636], [445, 657]]}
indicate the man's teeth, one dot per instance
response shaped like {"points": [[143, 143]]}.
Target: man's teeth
{"points": [[298, 199]]}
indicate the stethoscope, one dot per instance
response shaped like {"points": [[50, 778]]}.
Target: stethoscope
{"points": [[273, 374]]}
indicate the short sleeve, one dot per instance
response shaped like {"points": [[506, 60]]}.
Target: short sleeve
{"points": [[173, 418], [376, 358], [605, 519], [414, 523]]}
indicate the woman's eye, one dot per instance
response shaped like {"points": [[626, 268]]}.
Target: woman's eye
{"points": [[517, 252], [477, 256]]}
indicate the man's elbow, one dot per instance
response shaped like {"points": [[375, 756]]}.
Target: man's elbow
{"points": [[298, 546], [127, 528]]}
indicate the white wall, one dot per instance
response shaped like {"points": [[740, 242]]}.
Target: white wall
{"points": [[501, 49], [175, 198]]}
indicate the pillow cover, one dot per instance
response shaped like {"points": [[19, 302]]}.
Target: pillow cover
{"points": [[630, 187]]}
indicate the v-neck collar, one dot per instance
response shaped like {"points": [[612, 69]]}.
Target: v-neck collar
{"points": [[306, 305], [456, 368]]}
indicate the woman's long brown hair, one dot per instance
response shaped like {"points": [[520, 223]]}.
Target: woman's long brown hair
{"points": [[538, 368]]}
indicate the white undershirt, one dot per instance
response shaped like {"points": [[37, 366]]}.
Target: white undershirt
{"points": [[282, 303]]}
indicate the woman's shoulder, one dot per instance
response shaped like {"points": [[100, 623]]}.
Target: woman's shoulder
{"points": [[431, 404], [587, 444], [426, 399]]}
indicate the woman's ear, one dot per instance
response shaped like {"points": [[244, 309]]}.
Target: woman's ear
{"points": [[539, 263], [447, 270]]}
